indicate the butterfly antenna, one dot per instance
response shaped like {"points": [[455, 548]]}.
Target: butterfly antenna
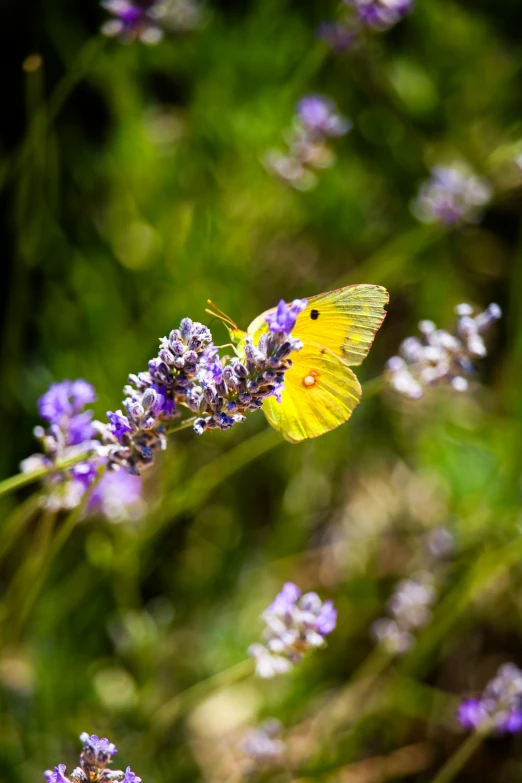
{"points": [[221, 315]]}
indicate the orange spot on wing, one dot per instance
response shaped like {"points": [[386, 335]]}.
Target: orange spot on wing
{"points": [[310, 379]]}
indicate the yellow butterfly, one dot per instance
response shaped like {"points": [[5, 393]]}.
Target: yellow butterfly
{"points": [[320, 390]]}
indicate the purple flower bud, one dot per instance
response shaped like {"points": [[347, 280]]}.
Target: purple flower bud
{"points": [[294, 623], [319, 114], [97, 751], [200, 425], [130, 777], [282, 321], [119, 424], [56, 776]]}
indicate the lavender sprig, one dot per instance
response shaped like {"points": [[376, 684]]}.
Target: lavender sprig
{"points": [[263, 747], [134, 20], [380, 15], [441, 357], [357, 16], [409, 610], [316, 121], [70, 432], [451, 196], [188, 372], [294, 624], [499, 707], [145, 20], [97, 754]]}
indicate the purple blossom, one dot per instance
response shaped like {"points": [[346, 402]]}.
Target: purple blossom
{"points": [[294, 624], [55, 403], [340, 36], [163, 405], [278, 391], [315, 121], [409, 608], [56, 776], [80, 428], [264, 747], [130, 777], [85, 473], [381, 14], [116, 495], [471, 713], [282, 321], [189, 372], [119, 424], [499, 708], [70, 432], [326, 618], [513, 722], [452, 195], [286, 599], [65, 399], [134, 20], [97, 751], [440, 357], [319, 115]]}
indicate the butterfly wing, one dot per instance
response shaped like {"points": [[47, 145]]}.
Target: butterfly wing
{"points": [[344, 321], [321, 391]]}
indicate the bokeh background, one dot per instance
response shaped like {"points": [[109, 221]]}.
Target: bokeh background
{"points": [[143, 194]]}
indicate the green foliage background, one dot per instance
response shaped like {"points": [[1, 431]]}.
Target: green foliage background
{"points": [[136, 191]]}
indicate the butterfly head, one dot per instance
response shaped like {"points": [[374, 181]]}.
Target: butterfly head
{"points": [[237, 335]]}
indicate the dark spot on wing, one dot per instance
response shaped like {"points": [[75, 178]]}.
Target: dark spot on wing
{"points": [[314, 315]]}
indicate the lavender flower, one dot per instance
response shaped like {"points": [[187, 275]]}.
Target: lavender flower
{"points": [[71, 432], [294, 623], [355, 16], [409, 607], [188, 372], [140, 19], [282, 321], [451, 196], [264, 747], [58, 776], [339, 35], [116, 496], [316, 120], [439, 542], [499, 708], [381, 14], [319, 116], [96, 755], [130, 777], [440, 357], [134, 20]]}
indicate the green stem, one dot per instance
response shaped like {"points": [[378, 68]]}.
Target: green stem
{"points": [[23, 479], [50, 550], [455, 763], [43, 119], [24, 579], [355, 696], [181, 426], [15, 523], [184, 701]]}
